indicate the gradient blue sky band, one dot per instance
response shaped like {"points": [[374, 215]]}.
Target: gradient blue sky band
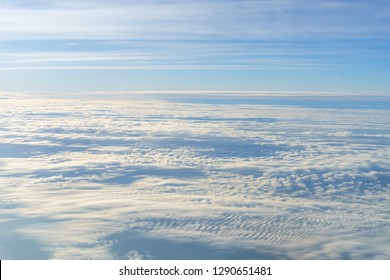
{"points": [[195, 45]]}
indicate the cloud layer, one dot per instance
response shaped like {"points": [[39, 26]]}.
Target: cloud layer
{"points": [[130, 178], [186, 20], [191, 35]]}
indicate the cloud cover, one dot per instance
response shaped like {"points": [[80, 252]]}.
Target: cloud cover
{"points": [[258, 42], [125, 35], [186, 20], [114, 179]]}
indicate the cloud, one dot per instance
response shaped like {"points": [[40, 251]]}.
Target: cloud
{"points": [[190, 35], [185, 20], [160, 55], [125, 178]]}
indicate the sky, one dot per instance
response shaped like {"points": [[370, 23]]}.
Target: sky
{"points": [[334, 45], [243, 136]]}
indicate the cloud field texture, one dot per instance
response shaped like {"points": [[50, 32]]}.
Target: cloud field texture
{"points": [[148, 179]]}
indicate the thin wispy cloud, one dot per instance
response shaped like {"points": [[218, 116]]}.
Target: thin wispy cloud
{"points": [[322, 40], [181, 20], [155, 59]]}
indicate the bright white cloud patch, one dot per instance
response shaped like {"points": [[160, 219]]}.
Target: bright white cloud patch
{"points": [[145, 179]]}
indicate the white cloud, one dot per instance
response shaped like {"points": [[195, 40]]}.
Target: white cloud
{"points": [[189, 20], [188, 35], [169, 57], [104, 178]]}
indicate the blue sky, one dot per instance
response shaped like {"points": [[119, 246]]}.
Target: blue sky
{"points": [[194, 45]]}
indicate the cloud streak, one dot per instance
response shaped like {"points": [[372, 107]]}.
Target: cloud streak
{"points": [[266, 38], [192, 20]]}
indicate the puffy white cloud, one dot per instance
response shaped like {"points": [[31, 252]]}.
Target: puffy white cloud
{"points": [[129, 178]]}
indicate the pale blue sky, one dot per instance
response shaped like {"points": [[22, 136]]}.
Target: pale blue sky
{"points": [[194, 45]]}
